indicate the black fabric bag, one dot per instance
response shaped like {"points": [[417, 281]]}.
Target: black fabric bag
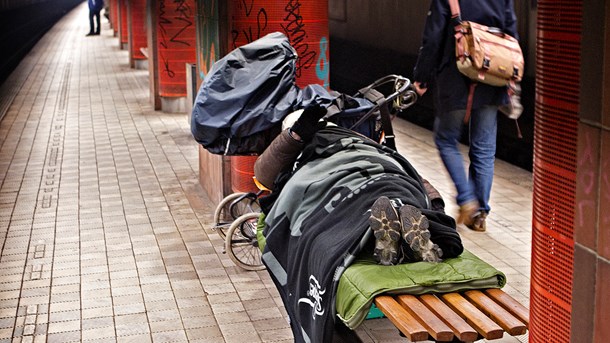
{"points": [[245, 96]]}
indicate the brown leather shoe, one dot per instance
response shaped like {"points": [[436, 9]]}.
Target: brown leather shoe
{"points": [[479, 224], [467, 212]]}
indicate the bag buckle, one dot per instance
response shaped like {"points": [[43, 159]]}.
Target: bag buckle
{"points": [[486, 63]]}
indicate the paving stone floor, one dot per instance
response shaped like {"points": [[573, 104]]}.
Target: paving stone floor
{"points": [[106, 234]]}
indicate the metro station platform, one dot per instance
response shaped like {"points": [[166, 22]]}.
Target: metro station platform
{"points": [[106, 233]]}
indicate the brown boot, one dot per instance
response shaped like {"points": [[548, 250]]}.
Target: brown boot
{"points": [[467, 212], [479, 224]]}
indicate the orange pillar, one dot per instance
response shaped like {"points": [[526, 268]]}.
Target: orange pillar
{"points": [[137, 33], [555, 156], [175, 47], [114, 16], [123, 28], [223, 25], [305, 23]]}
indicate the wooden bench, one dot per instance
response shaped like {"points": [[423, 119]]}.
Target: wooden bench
{"points": [[465, 316]]}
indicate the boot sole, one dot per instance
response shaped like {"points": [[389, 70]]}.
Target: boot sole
{"points": [[386, 227], [417, 236]]}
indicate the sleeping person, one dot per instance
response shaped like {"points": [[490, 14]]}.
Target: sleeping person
{"points": [[333, 191]]}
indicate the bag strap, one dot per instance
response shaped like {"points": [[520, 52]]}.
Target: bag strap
{"points": [[469, 101], [379, 100], [386, 125]]}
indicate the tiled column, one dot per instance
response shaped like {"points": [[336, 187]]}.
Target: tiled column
{"points": [[137, 33], [591, 304]]}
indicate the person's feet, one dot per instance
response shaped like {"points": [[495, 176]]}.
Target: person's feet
{"points": [[479, 223], [417, 236], [467, 212], [386, 227]]}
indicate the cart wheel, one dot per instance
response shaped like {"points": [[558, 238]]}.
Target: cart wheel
{"points": [[232, 207], [241, 243], [247, 203]]}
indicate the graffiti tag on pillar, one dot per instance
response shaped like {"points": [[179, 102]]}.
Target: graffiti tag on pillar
{"points": [[182, 17], [322, 65], [248, 32], [294, 28], [208, 37]]}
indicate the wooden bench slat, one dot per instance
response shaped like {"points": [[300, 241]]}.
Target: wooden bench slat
{"points": [[436, 327], [462, 330], [404, 321], [510, 304], [483, 324], [497, 313]]}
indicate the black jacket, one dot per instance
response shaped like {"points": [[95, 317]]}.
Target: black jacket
{"points": [[436, 62]]}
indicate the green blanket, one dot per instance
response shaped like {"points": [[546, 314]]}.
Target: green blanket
{"points": [[365, 279]]}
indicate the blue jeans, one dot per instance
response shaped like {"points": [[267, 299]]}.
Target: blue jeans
{"points": [[483, 131]]}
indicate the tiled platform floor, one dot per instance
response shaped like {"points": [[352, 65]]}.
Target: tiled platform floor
{"points": [[105, 232]]}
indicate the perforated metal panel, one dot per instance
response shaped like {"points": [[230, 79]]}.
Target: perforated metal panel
{"points": [[555, 142]]}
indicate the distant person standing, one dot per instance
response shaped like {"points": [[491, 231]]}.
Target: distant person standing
{"points": [[95, 7], [436, 65]]}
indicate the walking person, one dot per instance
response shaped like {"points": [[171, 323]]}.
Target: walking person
{"points": [[436, 65], [95, 7]]}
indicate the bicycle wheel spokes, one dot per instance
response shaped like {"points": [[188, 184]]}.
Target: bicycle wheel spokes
{"points": [[241, 243]]}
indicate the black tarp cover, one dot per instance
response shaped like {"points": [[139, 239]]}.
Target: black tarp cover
{"points": [[245, 96]]}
